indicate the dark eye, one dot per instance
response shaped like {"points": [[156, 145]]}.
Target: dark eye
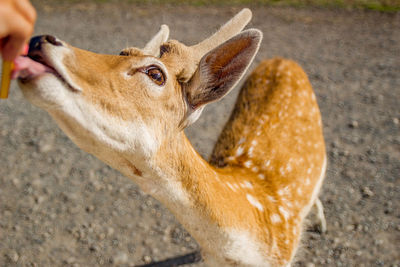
{"points": [[156, 75]]}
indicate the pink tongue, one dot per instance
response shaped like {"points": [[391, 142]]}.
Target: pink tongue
{"points": [[24, 67]]}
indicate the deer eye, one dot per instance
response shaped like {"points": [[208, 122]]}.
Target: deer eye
{"points": [[156, 75]]}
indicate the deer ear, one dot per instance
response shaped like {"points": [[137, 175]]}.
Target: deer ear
{"points": [[219, 71]]}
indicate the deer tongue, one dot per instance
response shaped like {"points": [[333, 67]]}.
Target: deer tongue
{"points": [[25, 67]]}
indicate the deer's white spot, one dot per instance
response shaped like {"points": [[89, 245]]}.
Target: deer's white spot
{"points": [[231, 187], [254, 169], [248, 164], [284, 212], [253, 201], [261, 176], [299, 191], [241, 140], [275, 218], [239, 151], [307, 181], [289, 167], [231, 158], [282, 171], [248, 184], [250, 152], [271, 198], [283, 191], [314, 110], [254, 142], [313, 96], [309, 170]]}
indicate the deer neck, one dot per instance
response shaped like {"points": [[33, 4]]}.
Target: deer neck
{"points": [[179, 176], [198, 195]]}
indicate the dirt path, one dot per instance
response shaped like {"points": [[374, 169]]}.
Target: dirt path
{"points": [[60, 206]]}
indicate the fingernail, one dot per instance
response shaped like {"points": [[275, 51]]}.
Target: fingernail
{"points": [[26, 49]]}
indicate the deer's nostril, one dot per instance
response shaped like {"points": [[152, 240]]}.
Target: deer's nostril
{"points": [[53, 40], [35, 43]]}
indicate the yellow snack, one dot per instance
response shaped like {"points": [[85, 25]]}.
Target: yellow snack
{"points": [[5, 78]]}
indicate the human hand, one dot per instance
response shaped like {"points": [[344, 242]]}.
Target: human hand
{"points": [[17, 18]]}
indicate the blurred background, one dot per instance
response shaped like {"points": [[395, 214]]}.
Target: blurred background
{"points": [[62, 207]]}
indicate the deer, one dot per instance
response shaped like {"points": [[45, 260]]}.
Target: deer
{"points": [[245, 206]]}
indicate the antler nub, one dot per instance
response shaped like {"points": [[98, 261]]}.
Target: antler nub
{"points": [[153, 46]]}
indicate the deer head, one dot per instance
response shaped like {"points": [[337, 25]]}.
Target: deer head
{"points": [[135, 101]]}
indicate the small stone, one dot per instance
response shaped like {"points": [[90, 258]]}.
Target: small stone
{"points": [[120, 258], [70, 260], [147, 259], [43, 148], [336, 241], [310, 264], [101, 236], [16, 182], [366, 192], [110, 231], [13, 256], [93, 248], [89, 208], [396, 121], [353, 124]]}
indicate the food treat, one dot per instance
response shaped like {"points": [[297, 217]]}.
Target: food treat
{"points": [[5, 78]]}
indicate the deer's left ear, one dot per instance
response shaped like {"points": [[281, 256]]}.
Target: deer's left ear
{"points": [[219, 71]]}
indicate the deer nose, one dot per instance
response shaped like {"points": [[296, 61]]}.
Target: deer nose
{"points": [[36, 42]]}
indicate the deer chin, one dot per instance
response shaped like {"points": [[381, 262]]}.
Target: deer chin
{"points": [[44, 82], [46, 91]]}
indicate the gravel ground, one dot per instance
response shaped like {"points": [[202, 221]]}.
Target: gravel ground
{"points": [[60, 206]]}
